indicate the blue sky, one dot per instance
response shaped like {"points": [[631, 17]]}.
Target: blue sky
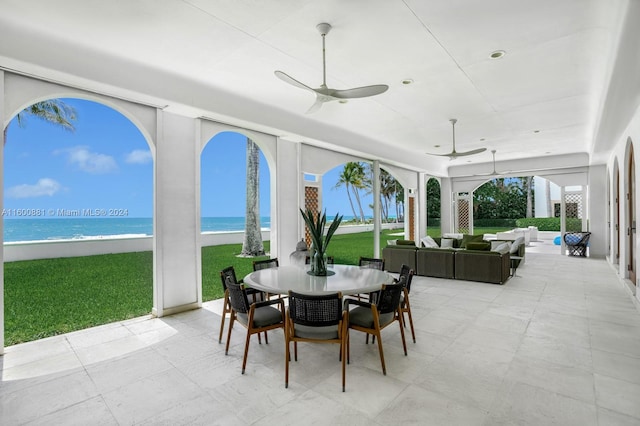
{"points": [[107, 164]]}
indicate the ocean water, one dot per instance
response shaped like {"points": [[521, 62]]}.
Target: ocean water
{"points": [[95, 228]]}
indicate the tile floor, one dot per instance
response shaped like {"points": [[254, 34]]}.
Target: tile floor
{"points": [[557, 345]]}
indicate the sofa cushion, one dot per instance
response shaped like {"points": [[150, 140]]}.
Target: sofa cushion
{"points": [[475, 245], [429, 242], [406, 243], [466, 238]]}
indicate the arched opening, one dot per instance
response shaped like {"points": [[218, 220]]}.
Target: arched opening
{"points": [[78, 216], [224, 194], [631, 214], [616, 213], [434, 211]]}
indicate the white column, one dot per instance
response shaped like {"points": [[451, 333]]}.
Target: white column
{"points": [[176, 260], [446, 205], [2, 121], [376, 209], [288, 191], [421, 208]]}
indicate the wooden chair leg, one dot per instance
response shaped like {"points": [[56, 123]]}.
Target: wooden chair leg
{"points": [[413, 333], [226, 308], [287, 358], [384, 368], [404, 342], [246, 351], [231, 321]]}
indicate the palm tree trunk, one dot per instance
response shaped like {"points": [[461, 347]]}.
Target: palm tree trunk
{"points": [[353, 210], [357, 194], [252, 244]]}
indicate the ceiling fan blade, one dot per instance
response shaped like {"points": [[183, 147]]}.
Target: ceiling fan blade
{"points": [[360, 92], [288, 79], [316, 105], [472, 152]]}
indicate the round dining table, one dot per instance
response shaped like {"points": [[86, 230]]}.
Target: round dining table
{"points": [[347, 279]]}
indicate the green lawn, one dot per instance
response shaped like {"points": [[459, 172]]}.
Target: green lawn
{"points": [[53, 296]]}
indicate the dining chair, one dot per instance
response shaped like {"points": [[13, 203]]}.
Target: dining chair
{"points": [[405, 277], [330, 260], [255, 317], [315, 319], [371, 318], [230, 272], [371, 262], [266, 263]]}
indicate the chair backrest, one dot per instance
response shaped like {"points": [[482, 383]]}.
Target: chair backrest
{"points": [[406, 276], [388, 298], [237, 297], [372, 263], [330, 260], [315, 310], [265, 264], [228, 272]]}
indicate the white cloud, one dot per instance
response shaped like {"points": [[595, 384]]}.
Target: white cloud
{"points": [[139, 156], [44, 186], [90, 162]]}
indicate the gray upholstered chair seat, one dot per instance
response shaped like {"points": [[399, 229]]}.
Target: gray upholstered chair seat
{"points": [[321, 333], [262, 317], [363, 317]]}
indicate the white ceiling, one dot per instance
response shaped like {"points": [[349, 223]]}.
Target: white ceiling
{"points": [[216, 58]]}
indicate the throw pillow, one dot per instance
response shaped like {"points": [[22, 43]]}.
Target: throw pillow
{"points": [[406, 243], [474, 245], [429, 242], [516, 245], [391, 242], [453, 235], [446, 243], [466, 239], [502, 247]]}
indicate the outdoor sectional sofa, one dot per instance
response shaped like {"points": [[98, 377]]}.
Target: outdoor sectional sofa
{"points": [[473, 262]]}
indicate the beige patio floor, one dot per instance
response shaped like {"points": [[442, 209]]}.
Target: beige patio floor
{"points": [[559, 344]]}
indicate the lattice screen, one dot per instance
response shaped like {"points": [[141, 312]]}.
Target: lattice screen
{"points": [[573, 211], [463, 209], [311, 202]]}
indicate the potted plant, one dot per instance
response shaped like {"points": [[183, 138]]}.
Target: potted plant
{"points": [[319, 242]]}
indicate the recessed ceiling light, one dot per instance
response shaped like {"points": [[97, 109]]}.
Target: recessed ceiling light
{"points": [[407, 81], [343, 101], [482, 139], [497, 54], [548, 152], [536, 131]]}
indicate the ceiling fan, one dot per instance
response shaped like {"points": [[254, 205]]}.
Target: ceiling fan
{"points": [[327, 94], [493, 173], [455, 154]]}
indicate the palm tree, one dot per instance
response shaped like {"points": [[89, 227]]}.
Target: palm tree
{"points": [[352, 178], [252, 243], [53, 111]]}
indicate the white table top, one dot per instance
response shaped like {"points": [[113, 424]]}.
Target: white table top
{"points": [[347, 279]]}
